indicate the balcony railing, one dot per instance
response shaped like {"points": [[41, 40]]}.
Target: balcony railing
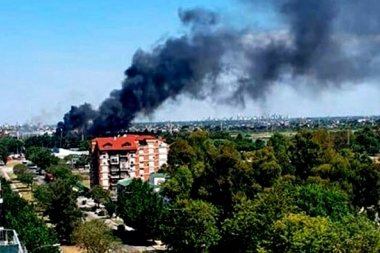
{"points": [[9, 242]]}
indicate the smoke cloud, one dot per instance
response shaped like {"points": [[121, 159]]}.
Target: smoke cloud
{"points": [[322, 44]]}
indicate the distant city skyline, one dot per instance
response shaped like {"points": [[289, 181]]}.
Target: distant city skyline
{"points": [[58, 54]]}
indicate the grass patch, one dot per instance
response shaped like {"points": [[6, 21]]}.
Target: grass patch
{"points": [[12, 163], [25, 191]]}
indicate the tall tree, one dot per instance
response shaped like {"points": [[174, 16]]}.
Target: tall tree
{"points": [[306, 153], [141, 208], [59, 201], [281, 147], [32, 231], [26, 178], [179, 185], [181, 153], [301, 233], [100, 195], [96, 236], [267, 170], [63, 172], [42, 157], [326, 201], [252, 221], [191, 227], [9, 146], [367, 141]]}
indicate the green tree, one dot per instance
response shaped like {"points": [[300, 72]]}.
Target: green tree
{"points": [[259, 143], [110, 207], [9, 146], [357, 234], [318, 200], [191, 227], [306, 153], [141, 208], [244, 143], [366, 141], [325, 142], [59, 201], [365, 182], [82, 161], [63, 172], [43, 141], [252, 221], [24, 175], [100, 195], [342, 139], [84, 145], [32, 231], [26, 178], [42, 157], [95, 236], [301, 233], [281, 147], [266, 168], [179, 185], [181, 153], [226, 179], [19, 169]]}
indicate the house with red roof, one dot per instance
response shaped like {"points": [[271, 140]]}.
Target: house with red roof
{"points": [[128, 156]]}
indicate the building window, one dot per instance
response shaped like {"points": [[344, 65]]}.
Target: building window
{"points": [[114, 159], [107, 145], [126, 144]]}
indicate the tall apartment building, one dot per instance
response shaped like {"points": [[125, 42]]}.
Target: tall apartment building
{"points": [[129, 156]]}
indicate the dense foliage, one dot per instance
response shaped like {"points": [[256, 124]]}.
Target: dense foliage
{"points": [[57, 141], [313, 192], [24, 175], [58, 199], [96, 236], [42, 157], [8, 146], [21, 216]]}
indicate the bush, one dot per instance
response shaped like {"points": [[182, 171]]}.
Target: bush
{"points": [[20, 169]]}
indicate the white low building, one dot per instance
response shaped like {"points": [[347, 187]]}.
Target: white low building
{"points": [[62, 153]]}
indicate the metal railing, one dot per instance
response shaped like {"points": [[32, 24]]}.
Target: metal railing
{"points": [[9, 242]]}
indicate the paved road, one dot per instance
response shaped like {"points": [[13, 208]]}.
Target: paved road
{"points": [[40, 179]]}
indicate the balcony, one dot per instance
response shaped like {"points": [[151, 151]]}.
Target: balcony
{"points": [[114, 160], [114, 176], [9, 242], [114, 169]]}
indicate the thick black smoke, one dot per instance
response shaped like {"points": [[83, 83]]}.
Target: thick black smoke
{"points": [[323, 43], [78, 120]]}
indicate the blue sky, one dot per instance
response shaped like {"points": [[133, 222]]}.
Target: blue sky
{"points": [[57, 53]]}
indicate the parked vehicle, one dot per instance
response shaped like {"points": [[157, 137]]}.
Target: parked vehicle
{"points": [[49, 177]]}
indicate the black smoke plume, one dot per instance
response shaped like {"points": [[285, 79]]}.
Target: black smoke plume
{"points": [[322, 43], [77, 121]]}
